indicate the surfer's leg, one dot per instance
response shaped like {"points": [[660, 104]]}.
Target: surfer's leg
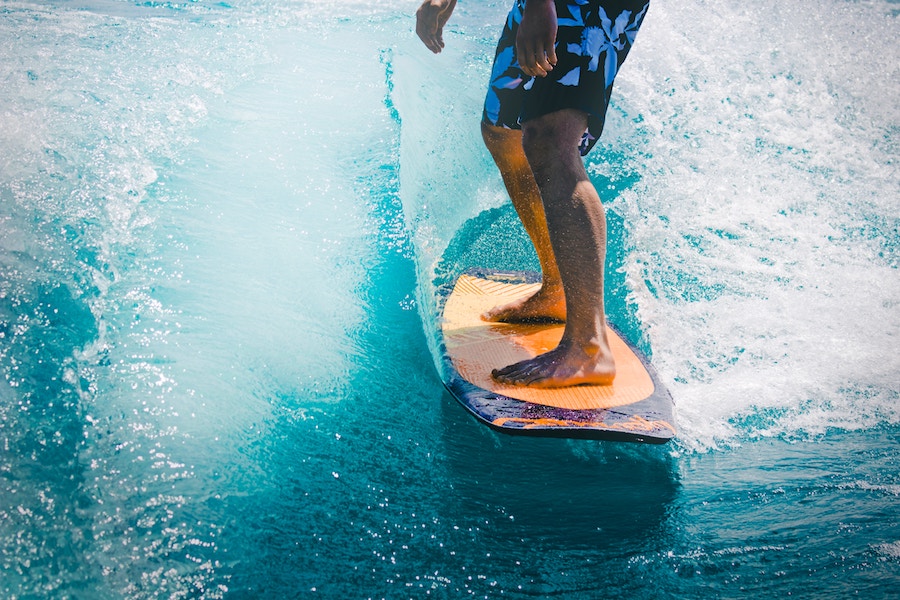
{"points": [[562, 115], [548, 303], [503, 137], [576, 224]]}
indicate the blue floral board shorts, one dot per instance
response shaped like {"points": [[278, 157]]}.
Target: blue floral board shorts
{"points": [[592, 41]]}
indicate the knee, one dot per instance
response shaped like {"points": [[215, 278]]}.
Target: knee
{"points": [[539, 142], [553, 139]]}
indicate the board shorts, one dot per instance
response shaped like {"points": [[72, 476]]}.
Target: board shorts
{"points": [[592, 41]]}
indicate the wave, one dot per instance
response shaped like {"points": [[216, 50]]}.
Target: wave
{"points": [[748, 160]]}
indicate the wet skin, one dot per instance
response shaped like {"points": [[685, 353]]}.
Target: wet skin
{"points": [[543, 172]]}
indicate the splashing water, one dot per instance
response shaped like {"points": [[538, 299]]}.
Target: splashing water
{"points": [[217, 219]]}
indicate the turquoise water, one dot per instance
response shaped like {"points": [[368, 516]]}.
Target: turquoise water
{"points": [[221, 225]]}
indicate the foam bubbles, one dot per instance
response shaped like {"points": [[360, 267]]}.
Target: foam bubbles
{"points": [[764, 227]]}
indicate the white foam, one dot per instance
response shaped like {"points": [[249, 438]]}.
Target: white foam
{"points": [[764, 226], [889, 550]]}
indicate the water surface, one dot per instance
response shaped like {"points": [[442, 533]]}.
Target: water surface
{"points": [[221, 226]]}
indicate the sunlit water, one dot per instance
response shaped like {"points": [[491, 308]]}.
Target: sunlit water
{"points": [[221, 228]]}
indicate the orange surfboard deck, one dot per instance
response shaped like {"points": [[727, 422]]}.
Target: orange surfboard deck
{"points": [[636, 407]]}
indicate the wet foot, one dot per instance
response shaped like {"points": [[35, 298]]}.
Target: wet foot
{"points": [[544, 306], [561, 367]]}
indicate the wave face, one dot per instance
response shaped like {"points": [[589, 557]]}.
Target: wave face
{"points": [[221, 229]]}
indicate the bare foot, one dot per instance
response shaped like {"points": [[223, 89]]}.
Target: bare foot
{"points": [[545, 305], [563, 366]]}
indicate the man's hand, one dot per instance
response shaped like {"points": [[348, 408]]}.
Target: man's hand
{"points": [[535, 42], [430, 20]]}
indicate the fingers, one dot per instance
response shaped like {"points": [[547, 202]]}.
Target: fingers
{"points": [[536, 62], [536, 38], [551, 56], [430, 20], [428, 29]]}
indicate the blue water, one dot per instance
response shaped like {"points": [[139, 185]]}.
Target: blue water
{"points": [[221, 227]]}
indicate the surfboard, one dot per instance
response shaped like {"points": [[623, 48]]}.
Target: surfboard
{"points": [[635, 408]]}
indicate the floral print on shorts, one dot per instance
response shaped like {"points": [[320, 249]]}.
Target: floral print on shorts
{"points": [[592, 41]]}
